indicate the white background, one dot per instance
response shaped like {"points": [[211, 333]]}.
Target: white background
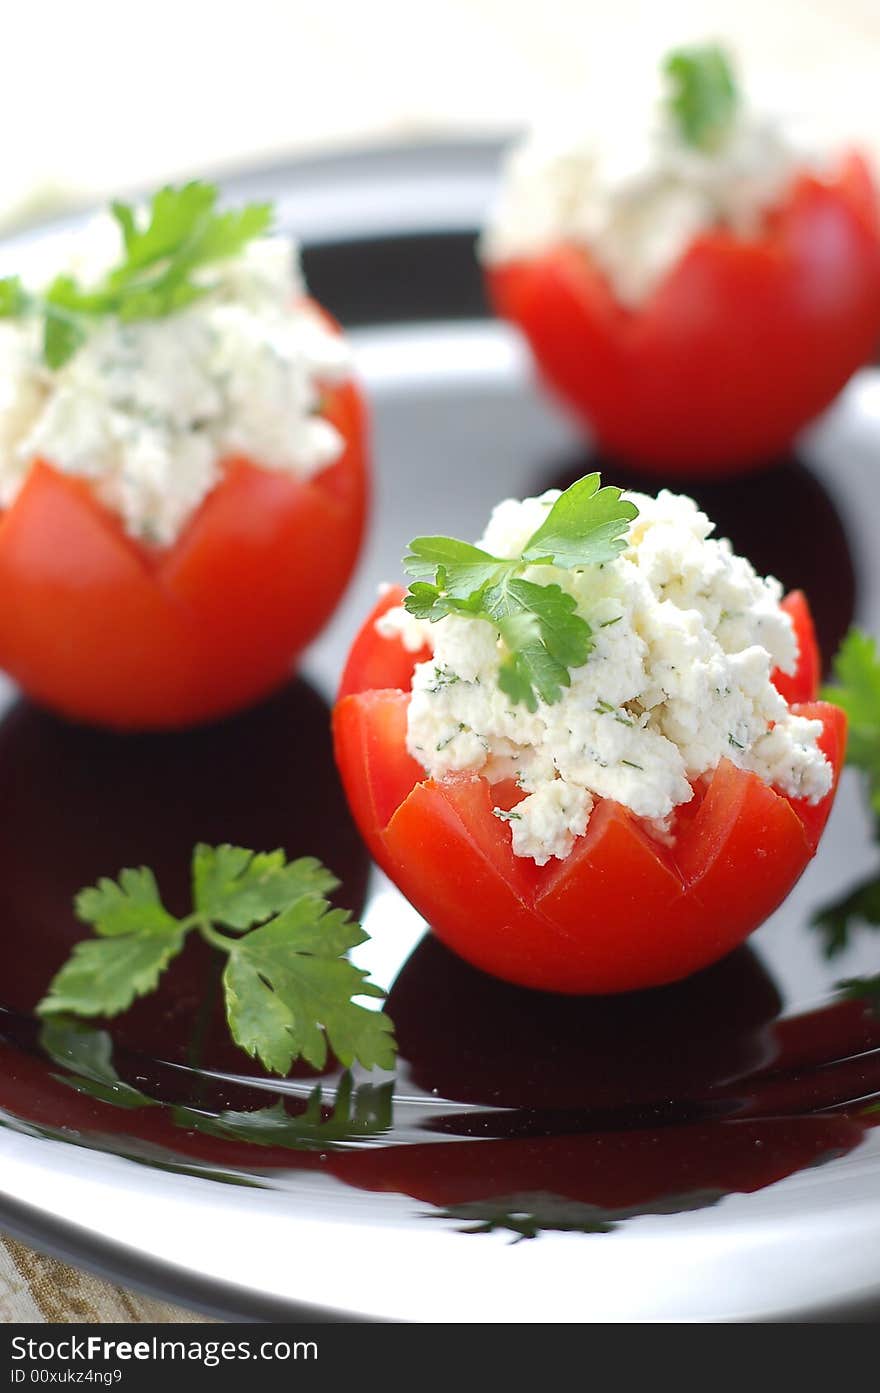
{"points": [[104, 95]]}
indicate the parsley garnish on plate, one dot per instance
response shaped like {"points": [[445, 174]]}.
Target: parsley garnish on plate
{"points": [[861, 907], [289, 989], [162, 255], [856, 689], [542, 634], [703, 97]]}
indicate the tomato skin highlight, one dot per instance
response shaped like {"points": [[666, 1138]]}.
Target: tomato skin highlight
{"points": [[622, 911], [106, 631], [740, 345]]}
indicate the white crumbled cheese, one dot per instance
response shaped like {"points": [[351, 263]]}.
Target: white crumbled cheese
{"points": [[150, 411], [624, 185], [397, 623], [686, 637], [555, 814]]}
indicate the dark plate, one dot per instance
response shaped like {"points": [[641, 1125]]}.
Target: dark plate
{"points": [[699, 1152]]}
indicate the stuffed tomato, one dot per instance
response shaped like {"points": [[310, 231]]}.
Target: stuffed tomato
{"points": [[696, 282], [183, 473], [588, 750]]}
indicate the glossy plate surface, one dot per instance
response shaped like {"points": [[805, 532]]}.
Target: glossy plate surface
{"points": [[701, 1152]]}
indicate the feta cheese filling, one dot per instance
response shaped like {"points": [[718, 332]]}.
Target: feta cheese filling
{"points": [[686, 638], [150, 411], [637, 198]]}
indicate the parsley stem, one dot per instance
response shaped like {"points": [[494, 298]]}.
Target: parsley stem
{"points": [[210, 935]]}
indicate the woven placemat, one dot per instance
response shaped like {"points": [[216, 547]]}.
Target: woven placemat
{"points": [[39, 1289]]}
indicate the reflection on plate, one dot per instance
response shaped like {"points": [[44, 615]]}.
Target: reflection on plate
{"points": [[679, 1131]]}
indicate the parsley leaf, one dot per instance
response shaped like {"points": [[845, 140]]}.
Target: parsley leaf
{"points": [[538, 625], [860, 908], [586, 526], [129, 905], [237, 888], [703, 96], [539, 657], [13, 297], [289, 988], [137, 940], [63, 334], [857, 692], [465, 569], [175, 213], [181, 233], [102, 978]]}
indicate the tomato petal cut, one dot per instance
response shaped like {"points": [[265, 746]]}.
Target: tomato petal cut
{"points": [[741, 343], [262, 565], [740, 856], [616, 896], [84, 626], [453, 865], [369, 734], [623, 910], [106, 630], [475, 801]]}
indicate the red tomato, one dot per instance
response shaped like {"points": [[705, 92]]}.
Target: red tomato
{"points": [[111, 632], [741, 344], [622, 911], [802, 685]]}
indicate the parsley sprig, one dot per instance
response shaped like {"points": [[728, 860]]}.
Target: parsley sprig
{"points": [[542, 634], [288, 987], [161, 253], [703, 96], [856, 689]]}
